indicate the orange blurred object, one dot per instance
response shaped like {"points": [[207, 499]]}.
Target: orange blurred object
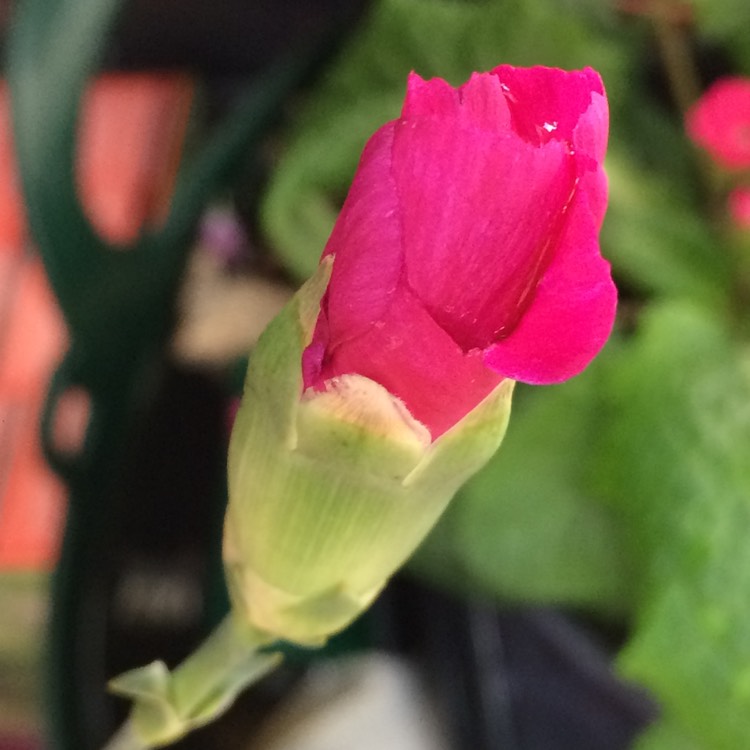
{"points": [[130, 143], [131, 136], [13, 233]]}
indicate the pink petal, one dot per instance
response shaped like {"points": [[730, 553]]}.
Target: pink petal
{"points": [[571, 315], [413, 358], [591, 133], [593, 188], [435, 97], [366, 242], [483, 103], [548, 103], [478, 103], [480, 214], [467, 249]]}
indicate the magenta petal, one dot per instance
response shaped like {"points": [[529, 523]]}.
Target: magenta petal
{"points": [[435, 97], [483, 104], [547, 103], [409, 354], [593, 188], [366, 243], [480, 212], [571, 315], [591, 132], [467, 249], [479, 103]]}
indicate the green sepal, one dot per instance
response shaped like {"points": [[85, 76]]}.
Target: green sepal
{"points": [[274, 378], [330, 492], [169, 704], [467, 446], [154, 718]]}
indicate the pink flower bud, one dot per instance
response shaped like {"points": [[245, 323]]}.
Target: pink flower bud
{"points": [[467, 249], [720, 122]]}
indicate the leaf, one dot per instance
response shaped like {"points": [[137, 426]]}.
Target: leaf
{"points": [[722, 17], [657, 239], [365, 88], [665, 736], [527, 528], [724, 24], [675, 460]]}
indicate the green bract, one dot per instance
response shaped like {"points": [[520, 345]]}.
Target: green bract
{"points": [[330, 492]]}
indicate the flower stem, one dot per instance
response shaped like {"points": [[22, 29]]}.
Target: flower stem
{"points": [[168, 705], [125, 738], [671, 24], [677, 59], [670, 21]]}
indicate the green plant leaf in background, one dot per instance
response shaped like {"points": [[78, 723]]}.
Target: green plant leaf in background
{"points": [[526, 528], [655, 236], [365, 89], [725, 25], [675, 460], [665, 736]]}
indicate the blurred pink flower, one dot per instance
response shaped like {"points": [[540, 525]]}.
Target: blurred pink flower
{"points": [[739, 206], [467, 249], [720, 122]]}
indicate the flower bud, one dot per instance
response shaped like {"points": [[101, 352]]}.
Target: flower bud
{"points": [[466, 257], [332, 490], [719, 122]]}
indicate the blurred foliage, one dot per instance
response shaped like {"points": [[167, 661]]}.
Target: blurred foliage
{"points": [[366, 88], [665, 736], [677, 443], [627, 490], [725, 22], [528, 528]]}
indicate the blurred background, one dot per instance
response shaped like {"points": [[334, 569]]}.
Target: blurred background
{"points": [[169, 173]]}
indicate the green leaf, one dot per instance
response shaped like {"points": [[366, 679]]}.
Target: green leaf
{"points": [[722, 17], [365, 88], [675, 460], [666, 736], [725, 24], [527, 528], [657, 238]]}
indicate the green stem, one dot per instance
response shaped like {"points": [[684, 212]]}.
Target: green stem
{"points": [[167, 705], [681, 70], [125, 738], [677, 58], [228, 658]]}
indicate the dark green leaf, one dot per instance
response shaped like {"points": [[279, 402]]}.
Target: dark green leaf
{"points": [[676, 463]]}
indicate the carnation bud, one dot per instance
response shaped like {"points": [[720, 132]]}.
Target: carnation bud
{"points": [[331, 491]]}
